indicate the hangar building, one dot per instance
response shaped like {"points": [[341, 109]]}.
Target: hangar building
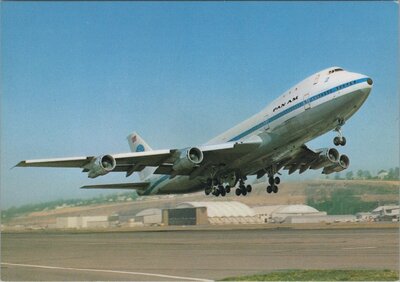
{"points": [[280, 213], [223, 212], [149, 217]]}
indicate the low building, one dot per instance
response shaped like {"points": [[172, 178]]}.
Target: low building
{"points": [[82, 222], [321, 219]]}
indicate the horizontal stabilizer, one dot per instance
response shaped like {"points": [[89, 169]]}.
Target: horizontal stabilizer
{"points": [[132, 186]]}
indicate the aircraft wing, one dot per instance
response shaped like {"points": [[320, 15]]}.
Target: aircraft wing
{"points": [[144, 158], [305, 158], [163, 160]]}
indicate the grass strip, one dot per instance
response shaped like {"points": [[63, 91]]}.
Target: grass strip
{"points": [[321, 275]]}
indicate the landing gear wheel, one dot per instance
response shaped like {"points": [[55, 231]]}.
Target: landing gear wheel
{"points": [[343, 141], [271, 180], [277, 180], [243, 190], [238, 192], [249, 188], [216, 193], [207, 191], [269, 189], [221, 190], [336, 141], [228, 189], [275, 189]]}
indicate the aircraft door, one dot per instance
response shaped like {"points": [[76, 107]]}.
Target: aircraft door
{"points": [[306, 101]]}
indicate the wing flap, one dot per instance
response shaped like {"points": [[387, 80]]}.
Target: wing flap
{"points": [[129, 186], [147, 158]]}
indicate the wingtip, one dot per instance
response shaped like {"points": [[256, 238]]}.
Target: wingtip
{"points": [[20, 164]]}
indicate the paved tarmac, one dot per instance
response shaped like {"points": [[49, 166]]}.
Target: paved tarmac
{"points": [[192, 255]]}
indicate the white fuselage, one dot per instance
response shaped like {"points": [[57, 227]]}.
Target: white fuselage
{"points": [[305, 111]]}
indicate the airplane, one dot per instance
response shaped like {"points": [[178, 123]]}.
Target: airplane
{"points": [[264, 144]]}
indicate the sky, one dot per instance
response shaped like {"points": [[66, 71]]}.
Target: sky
{"points": [[78, 77]]}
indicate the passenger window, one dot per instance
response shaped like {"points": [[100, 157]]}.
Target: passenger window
{"points": [[316, 79]]}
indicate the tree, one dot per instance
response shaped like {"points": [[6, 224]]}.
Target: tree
{"points": [[396, 173], [390, 174], [367, 174], [349, 175], [393, 174], [360, 174], [337, 176]]}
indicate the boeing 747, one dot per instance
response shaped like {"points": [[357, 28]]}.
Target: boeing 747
{"points": [[266, 143]]}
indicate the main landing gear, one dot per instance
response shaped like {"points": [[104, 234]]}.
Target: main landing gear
{"points": [[243, 189], [216, 188], [273, 182], [339, 140]]}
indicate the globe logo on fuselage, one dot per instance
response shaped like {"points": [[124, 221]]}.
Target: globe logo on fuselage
{"points": [[140, 148]]}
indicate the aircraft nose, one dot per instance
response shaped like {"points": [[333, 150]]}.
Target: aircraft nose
{"points": [[369, 81]]}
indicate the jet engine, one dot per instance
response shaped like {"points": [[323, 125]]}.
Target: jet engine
{"points": [[101, 166], [327, 157], [343, 163], [189, 158]]}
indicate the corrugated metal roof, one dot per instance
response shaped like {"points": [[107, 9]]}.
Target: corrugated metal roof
{"points": [[149, 212], [221, 209], [297, 209], [285, 209]]}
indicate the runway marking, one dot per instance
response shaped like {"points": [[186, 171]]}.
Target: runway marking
{"points": [[107, 271], [358, 248]]}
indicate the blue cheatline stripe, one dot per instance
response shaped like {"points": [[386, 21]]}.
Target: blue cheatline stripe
{"points": [[155, 184], [299, 105]]}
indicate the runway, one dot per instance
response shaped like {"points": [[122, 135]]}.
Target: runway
{"points": [[192, 255]]}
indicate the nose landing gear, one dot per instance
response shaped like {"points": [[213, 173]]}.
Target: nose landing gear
{"points": [[339, 140]]}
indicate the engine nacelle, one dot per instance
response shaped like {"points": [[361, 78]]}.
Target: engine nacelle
{"points": [[343, 163], [101, 166], [189, 158], [326, 158]]}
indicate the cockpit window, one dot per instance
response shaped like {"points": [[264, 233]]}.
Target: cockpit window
{"points": [[335, 70]]}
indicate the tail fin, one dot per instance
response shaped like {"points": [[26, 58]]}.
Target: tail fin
{"points": [[137, 144]]}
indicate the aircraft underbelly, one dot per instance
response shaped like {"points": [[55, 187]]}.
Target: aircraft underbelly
{"points": [[181, 184]]}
